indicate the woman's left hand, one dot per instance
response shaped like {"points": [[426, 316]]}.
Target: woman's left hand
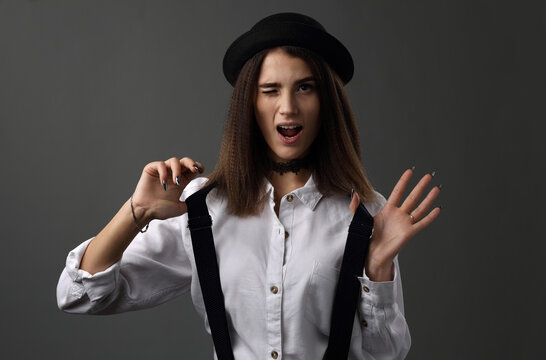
{"points": [[395, 225]]}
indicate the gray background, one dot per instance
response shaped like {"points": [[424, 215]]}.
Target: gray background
{"points": [[90, 91]]}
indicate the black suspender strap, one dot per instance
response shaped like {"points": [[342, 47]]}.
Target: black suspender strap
{"points": [[347, 290], [348, 286], [199, 222]]}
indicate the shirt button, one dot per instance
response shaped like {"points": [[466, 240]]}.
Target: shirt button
{"points": [[274, 289], [289, 198], [286, 234], [366, 289], [274, 354], [364, 323]]}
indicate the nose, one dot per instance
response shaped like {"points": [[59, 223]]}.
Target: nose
{"points": [[288, 104]]}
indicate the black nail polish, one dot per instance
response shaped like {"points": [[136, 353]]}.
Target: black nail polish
{"points": [[352, 193], [413, 168], [433, 173], [165, 185], [440, 186], [178, 180], [196, 168]]}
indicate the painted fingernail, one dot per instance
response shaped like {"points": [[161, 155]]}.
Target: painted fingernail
{"points": [[352, 193], [440, 186], [165, 185], [413, 168], [178, 180], [197, 168], [433, 173]]}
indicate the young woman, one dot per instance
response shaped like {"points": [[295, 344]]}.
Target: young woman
{"points": [[289, 179]]}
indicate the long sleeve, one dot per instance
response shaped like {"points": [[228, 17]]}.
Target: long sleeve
{"points": [[381, 310], [153, 269], [278, 276]]}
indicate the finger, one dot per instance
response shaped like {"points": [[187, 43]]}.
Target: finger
{"points": [[423, 207], [426, 221], [163, 173], [190, 164], [176, 169], [355, 201], [200, 167], [415, 194], [399, 188]]}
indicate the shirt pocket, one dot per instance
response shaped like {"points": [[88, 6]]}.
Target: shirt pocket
{"points": [[320, 298]]}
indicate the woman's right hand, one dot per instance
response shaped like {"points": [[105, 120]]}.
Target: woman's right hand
{"points": [[158, 191]]}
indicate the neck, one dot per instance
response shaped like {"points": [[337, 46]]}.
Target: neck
{"points": [[287, 182], [294, 166]]}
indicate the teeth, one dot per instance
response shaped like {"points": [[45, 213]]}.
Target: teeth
{"points": [[288, 126]]}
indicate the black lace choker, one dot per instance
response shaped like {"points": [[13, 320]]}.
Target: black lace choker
{"points": [[293, 165]]}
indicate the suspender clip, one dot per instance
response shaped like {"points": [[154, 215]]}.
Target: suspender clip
{"points": [[200, 222]]}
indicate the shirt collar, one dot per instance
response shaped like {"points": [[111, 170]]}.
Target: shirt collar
{"points": [[309, 194]]}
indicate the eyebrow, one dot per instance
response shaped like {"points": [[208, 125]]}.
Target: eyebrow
{"points": [[274, 84]]}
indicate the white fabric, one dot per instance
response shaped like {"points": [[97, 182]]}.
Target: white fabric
{"points": [[253, 256]]}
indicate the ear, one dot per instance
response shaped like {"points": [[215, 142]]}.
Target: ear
{"points": [[354, 202]]}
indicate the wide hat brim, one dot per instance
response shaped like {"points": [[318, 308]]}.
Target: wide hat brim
{"points": [[285, 29]]}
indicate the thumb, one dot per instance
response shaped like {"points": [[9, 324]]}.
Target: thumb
{"points": [[182, 207], [355, 201]]}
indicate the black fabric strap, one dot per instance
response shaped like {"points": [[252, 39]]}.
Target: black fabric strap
{"points": [[347, 290], [348, 286], [199, 222]]}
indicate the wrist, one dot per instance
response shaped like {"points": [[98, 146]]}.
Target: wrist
{"points": [[141, 216], [380, 271]]}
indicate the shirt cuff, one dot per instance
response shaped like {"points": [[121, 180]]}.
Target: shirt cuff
{"points": [[378, 293], [96, 286]]}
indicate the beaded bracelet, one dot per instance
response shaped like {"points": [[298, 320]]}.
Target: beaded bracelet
{"points": [[134, 218]]}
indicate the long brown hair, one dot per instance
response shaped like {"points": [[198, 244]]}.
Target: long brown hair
{"points": [[243, 161]]}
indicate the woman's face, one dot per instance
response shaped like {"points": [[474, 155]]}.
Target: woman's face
{"points": [[287, 105]]}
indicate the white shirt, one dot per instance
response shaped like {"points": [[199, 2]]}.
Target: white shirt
{"points": [[278, 277]]}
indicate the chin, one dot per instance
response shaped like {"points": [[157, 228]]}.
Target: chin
{"points": [[287, 156]]}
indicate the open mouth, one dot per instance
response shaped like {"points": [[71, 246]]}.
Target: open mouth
{"points": [[289, 133]]}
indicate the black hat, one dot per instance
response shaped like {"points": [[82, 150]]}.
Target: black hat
{"points": [[288, 29]]}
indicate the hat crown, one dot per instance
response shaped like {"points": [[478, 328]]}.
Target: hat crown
{"points": [[290, 29], [288, 18]]}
